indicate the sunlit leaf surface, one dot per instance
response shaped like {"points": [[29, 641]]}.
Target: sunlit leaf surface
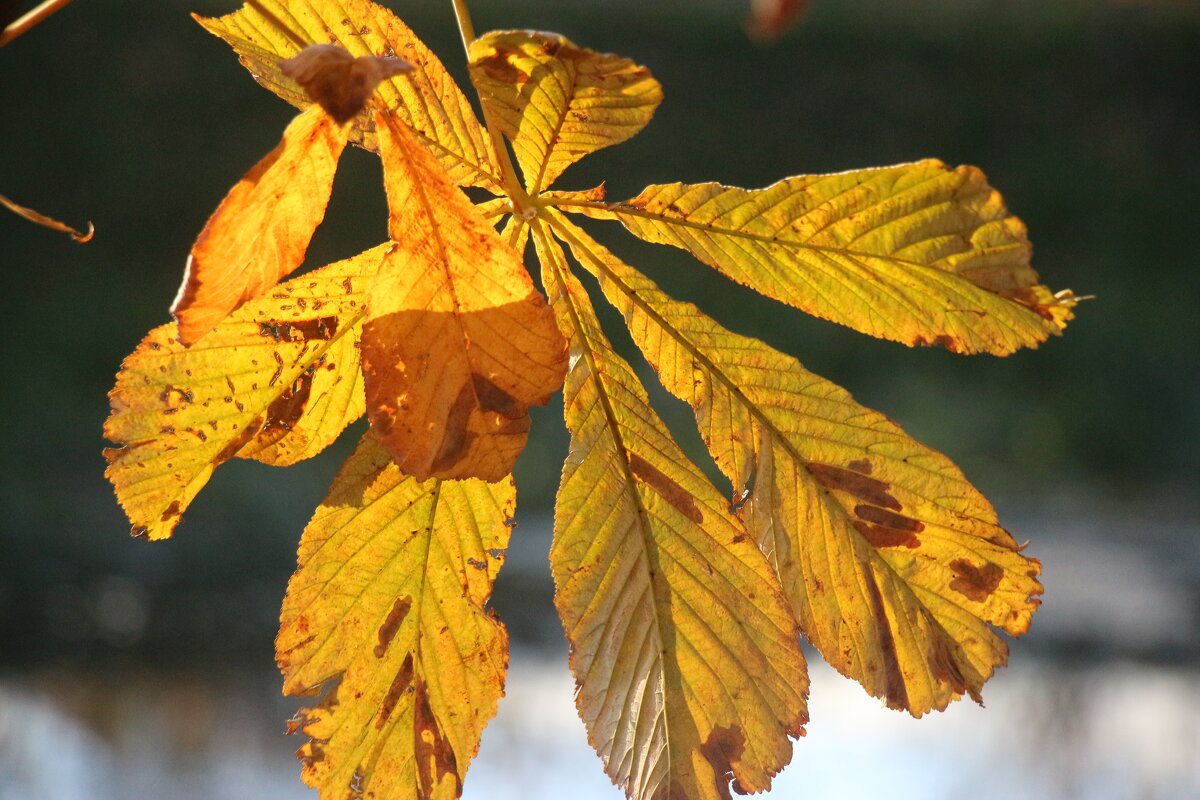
{"points": [[278, 379], [558, 102], [892, 561], [458, 343], [427, 98], [683, 649], [922, 253], [386, 612]]}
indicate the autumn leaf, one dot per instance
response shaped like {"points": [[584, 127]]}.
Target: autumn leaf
{"points": [[558, 102], [892, 562], [458, 343], [917, 253], [337, 81], [278, 380], [261, 230], [684, 653], [426, 99], [386, 613]]}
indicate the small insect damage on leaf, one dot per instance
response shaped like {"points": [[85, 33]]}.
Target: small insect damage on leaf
{"points": [[387, 631], [667, 488], [721, 749], [337, 81], [307, 330], [975, 583]]}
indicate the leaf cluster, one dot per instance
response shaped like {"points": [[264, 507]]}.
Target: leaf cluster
{"points": [[683, 607]]}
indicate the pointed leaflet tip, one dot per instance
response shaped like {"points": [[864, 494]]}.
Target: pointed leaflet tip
{"points": [[337, 81]]}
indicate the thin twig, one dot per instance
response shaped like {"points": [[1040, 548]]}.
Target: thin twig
{"points": [[33, 17]]}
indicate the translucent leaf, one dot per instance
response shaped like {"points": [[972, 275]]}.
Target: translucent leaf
{"points": [[558, 102], [427, 98], [277, 380], [894, 564], [458, 342], [261, 230], [917, 253], [386, 612], [684, 652]]}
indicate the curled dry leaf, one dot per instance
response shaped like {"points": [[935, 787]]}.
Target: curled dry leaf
{"points": [[337, 81], [38, 218]]}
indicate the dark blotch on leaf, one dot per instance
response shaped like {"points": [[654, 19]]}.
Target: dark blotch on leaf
{"points": [[869, 490], [387, 631], [671, 491], [975, 583], [723, 747]]}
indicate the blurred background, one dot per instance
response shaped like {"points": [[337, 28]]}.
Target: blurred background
{"points": [[131, 670]]}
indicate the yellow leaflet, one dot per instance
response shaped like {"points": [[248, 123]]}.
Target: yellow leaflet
{"points": [[277, 380], [917, 253], [684, 652], [558, 102], [458, 343], [389, 601], [892, 561], [426, 98]]}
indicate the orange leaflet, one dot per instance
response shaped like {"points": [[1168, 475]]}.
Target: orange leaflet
{"points": [[458, 343], [261, 230]]}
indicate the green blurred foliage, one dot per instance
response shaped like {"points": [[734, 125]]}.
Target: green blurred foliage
{"points": [[1083, 113]]}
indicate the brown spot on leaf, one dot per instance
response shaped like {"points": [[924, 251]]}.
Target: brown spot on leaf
{"points": [[434, 756], [724, 746], [238, 442], [387, 631], [399, 685], [318, 328], [869, 490], [895, 692], [671, 491], [883, 528], [171, 511], [975, 583], [861, 465]]}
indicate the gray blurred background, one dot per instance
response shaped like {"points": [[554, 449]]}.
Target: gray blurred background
{"points": [[130, 669]]}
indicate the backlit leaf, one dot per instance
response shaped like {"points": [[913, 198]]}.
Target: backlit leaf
{"points": [[261, 230], [388, 602], [426, 98], [917, 253], [892, 561], [558, 102], [458, 343], [278, 380], [684, 652]]}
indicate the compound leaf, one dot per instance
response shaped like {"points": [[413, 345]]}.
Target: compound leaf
{"points": [[458, 343], [917, 253], [388, 601], [427, 98], [893, 563], [277, 380], [684, 652], [558, 102], [261, 230]]}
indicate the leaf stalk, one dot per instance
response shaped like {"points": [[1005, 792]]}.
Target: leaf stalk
{"points": [[31, 18]]}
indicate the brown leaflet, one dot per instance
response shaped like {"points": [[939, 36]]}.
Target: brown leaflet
{"points": [[337, 81]]}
